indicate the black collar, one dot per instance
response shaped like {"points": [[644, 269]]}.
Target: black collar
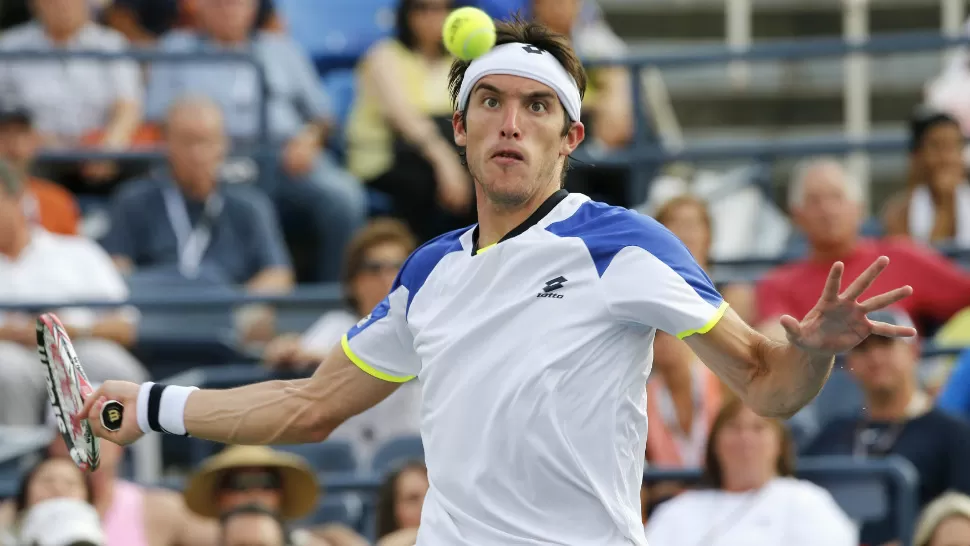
{"points": [[544, 209]]}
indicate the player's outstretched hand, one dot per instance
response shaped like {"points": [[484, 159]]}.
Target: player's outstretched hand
{"points": [[127, 394], [838, 322]]}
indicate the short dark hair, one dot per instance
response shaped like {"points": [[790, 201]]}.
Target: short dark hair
{"points": [[925, 118], [519, 30]]}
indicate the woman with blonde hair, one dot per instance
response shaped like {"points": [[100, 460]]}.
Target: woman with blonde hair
{"points": [[944, 522]]}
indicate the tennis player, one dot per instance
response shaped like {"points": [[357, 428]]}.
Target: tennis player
{"points": [[531, 334]]}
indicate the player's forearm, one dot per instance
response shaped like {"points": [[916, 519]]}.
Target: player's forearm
{"points": [[786, 378], [273, 412]]}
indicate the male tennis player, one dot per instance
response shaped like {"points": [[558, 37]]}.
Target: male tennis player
{"points": [[531, 334]]}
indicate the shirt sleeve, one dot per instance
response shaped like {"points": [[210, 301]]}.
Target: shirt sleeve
{"points": [[381, 344], [312, 100], [653, 280], [125, 74]]}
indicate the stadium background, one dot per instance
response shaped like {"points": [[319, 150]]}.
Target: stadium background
{"points": [[728, 96]]}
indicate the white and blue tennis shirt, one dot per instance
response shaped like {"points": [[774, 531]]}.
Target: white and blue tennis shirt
{"points": [[533, 356]]}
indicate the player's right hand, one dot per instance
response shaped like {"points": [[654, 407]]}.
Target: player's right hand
{"points": [[121, 391]]}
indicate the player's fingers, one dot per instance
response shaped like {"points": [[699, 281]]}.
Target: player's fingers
{"points": [[865, 280], [833, 283], [90, 402], [791, 326], [891, 330], [886, 299]]}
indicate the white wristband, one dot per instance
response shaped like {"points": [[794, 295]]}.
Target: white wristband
{"points": [[161, 408]]}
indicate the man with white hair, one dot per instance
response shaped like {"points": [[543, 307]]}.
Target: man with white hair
{"points": [[531, 333], [825, 203]]}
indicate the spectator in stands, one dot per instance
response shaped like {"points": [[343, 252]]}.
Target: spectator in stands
{"points": [[399, 504], [51, 478], [47, 203], [935, 206], [182, 223], [399, 135], [898, 419], [39, 267], [252, 525], [280, 482], [74, 101], [63, 521], [753, 500], [134, 515], [954, 397], [825, 204], [144, 21], [944, 522], [315, 197]]}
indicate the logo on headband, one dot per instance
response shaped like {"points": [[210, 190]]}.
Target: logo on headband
{"points": [[532, 49]]}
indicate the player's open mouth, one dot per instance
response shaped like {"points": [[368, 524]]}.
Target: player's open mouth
{"points": [[508, 156]]}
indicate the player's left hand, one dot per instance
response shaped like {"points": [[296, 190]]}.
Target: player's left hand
{"points": [[838, 322]]}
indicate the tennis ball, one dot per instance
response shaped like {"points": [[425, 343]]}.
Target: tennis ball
{"points": [[468, 33]]}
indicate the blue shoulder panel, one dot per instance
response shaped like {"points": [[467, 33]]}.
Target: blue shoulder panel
{"points": [[606, 230], [422, 261]]}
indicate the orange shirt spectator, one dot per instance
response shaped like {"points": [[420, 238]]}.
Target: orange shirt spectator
{"points": [[825, 205], [52, 206]]}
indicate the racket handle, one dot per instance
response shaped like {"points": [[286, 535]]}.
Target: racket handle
{"points": [[112, 413]]}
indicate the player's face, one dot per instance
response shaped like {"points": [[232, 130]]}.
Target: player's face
{"points": [[952, 531], [377, 271], [828, 214], [882, 366], [56, 479], [748, 447], [514, 139], [411, 487]]}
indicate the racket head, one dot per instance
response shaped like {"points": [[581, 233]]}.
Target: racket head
{"points": [[67, 387]]}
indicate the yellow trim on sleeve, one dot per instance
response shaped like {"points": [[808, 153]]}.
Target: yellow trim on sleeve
{"points": [[370, 370], [483, 249], [710, 324]]}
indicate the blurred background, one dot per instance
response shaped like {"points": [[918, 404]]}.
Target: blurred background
{"points": [[211, 192]]}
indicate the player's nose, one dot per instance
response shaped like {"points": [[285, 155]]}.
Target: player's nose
{"points": [[510, 123]]}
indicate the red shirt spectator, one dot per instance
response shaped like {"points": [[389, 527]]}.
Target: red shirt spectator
{"points": [[824, 205]]}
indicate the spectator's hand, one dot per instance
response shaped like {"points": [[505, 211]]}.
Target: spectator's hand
{"points": [[838, 322], [300, 153], [453, 184], [99, 172], [282, 352], [127, 394]]}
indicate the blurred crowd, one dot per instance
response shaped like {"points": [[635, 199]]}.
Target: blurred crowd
{"points": [[324, 194]]}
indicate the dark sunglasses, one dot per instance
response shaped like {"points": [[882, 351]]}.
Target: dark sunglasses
{"points": [[374, 267], [249, 481]]}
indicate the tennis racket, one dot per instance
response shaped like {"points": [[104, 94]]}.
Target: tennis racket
{"points": [[67, 387]]}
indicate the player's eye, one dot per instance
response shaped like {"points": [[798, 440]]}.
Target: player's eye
{"points": [[537, 107], [490, 102]]}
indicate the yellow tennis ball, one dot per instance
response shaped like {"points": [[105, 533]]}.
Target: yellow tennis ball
{"points": [[468, 33]]}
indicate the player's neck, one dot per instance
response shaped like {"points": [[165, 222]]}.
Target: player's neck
{"points": [[495, 221]]}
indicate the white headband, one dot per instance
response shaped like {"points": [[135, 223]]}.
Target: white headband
{"points": [[525, 61]]}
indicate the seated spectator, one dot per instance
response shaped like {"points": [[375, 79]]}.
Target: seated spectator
{"points": [[608, 103], [935, 207], [51, 478], [944, 522], [825, 204], [182, 222], [252, 525], [399, 503], [144, 21], [47, 204], [315, 197], [37, 267], [399, 135], [898, 419], [74, 101], [282, 483], [134, 515], [753, 499]]}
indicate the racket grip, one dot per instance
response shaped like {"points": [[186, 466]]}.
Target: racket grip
{"points": [[112, 414]]}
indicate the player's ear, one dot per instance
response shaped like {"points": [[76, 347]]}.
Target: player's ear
{"points": [[574, 137], [458, 124]]}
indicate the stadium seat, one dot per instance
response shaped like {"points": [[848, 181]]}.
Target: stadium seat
{"points": [[397, 452], [328, 456], [345, 508], [337, 32]]}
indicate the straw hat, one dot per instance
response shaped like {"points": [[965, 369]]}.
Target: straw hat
{"points": [[300, 487]]}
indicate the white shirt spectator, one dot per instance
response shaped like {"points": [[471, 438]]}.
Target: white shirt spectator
{"points": [[71, 97], [786, 511]]}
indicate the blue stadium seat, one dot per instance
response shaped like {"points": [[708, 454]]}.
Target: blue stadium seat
{"points": [[328, 456], [397, 452], [337, 32], [345, 508]]}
